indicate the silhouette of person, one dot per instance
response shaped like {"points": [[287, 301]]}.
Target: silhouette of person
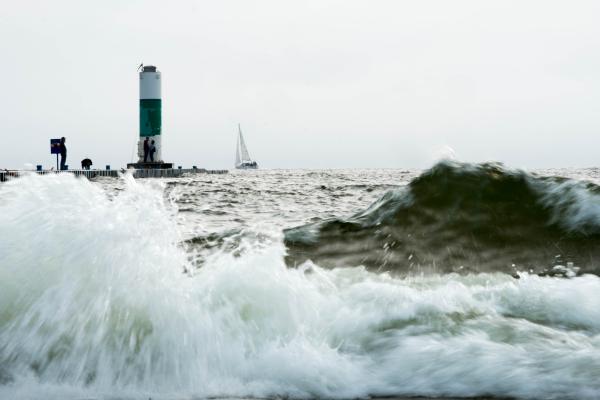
{"points": [[146, 149], [152, 150], [63, 153], [86, 163]]}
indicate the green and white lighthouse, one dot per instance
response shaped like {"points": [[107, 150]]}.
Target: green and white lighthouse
{"points": [[150, 111]]}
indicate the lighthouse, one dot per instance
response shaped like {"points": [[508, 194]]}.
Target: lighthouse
{"points": [[150, 111], [150, 118]]}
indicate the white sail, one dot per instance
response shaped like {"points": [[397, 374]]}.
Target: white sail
{"points": [[243, 150], [238, 160]]}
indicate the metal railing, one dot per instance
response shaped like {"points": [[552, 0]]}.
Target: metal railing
{"points": [[113, 173]]}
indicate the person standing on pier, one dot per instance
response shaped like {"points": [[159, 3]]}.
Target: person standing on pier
{"points": [[63, 153], [152, 150], [146, 149]]}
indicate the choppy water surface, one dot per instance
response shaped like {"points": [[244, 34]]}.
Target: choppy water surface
{"points": [[462, 280]]}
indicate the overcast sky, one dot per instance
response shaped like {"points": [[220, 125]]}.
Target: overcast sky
{"points": [[315, 84]]}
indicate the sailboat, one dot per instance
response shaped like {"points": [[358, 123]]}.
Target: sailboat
{"points": [[242, 158]]}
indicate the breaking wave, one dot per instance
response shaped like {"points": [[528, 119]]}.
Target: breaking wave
{"points": [[464, 218], [95, 303]]}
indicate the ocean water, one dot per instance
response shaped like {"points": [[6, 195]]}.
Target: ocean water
{"points": [[461, 280]]}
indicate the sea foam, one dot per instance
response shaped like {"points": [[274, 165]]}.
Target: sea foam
{"points": [[95, 302]]}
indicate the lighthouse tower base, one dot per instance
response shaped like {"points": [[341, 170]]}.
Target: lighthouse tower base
{"points": [[150, 165], [158, 163]]}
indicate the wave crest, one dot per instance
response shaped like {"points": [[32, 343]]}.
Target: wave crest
{"points": [[458, 217]]}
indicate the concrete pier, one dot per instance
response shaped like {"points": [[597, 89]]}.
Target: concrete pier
{"points": [[113, 173]]}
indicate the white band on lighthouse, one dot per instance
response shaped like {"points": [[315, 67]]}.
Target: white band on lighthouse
{"points": [[150, 87]]}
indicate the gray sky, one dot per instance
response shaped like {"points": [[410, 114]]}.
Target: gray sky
{"points": [[315, 84]]}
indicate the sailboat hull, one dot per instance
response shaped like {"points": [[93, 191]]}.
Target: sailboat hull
{"points": [[247, 166]]}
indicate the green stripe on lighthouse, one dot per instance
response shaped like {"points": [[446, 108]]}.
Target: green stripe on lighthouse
{"points": [[150, 117]]}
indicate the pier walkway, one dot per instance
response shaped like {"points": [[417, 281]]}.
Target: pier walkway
{"points": [[113, 173]]}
